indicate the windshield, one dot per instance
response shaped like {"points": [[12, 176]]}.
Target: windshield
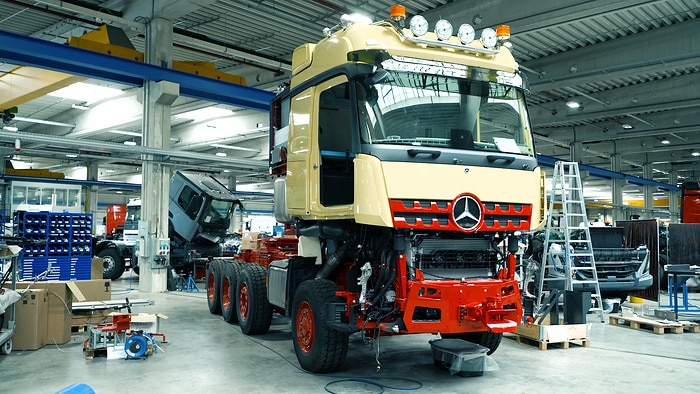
{"points": [[474, 113], [219, 212], [133, 215]]}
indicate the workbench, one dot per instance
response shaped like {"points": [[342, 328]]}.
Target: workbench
{"points": [[678, 275]]}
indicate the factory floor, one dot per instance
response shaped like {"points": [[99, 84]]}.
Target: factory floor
{"points": [[204, 354]]}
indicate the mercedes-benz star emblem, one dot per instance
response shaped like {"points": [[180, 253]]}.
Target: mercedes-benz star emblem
{"points": [[466, 212]]}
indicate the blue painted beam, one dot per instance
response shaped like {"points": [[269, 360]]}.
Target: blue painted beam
{"points": [[548, 161], [28, 51], [63, 181]]}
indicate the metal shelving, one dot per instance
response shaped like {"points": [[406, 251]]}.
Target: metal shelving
{"points": [[67, 249]]}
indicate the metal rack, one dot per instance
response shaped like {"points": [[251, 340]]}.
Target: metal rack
{"points": [[66, 247]]}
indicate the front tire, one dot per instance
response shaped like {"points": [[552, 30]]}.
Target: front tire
{"points": [[173, 279], [6, 347], [490, 340], [112, 265], [319, 349], [253, 309]]}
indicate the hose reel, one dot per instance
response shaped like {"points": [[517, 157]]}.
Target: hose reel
{"points": [[138, 345]]}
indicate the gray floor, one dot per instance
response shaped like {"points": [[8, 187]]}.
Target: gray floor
{"points": [[204, 354]]}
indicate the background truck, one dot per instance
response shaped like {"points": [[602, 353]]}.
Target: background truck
{"points": [[199, 216], [114, 220], [405, 162], [622, 270], [117, 248]]}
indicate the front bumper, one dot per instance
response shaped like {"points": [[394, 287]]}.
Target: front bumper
{"points": [[458, 306]]}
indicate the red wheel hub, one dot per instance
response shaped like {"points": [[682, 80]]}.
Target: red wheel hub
{"points": [[226, 294], [305, 327], [210, 287], [243, 300]]}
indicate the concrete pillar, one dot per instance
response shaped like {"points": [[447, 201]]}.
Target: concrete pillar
{"points": [[618, 211], [91, 195], [157, 100], [575, 151], [237, 222], [648, 173], [673, 196]]}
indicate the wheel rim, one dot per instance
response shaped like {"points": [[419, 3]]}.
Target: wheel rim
{"points": [[305, 327], [108, 263], [226, 294], [243, 301], [210, 287]]}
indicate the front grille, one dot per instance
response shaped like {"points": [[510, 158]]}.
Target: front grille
{"points": [[437, 215], [458, 259]]}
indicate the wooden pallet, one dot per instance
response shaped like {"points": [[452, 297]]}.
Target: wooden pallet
{"points": [[657, 326], [690, 326], [543, 344], [561, 335]]}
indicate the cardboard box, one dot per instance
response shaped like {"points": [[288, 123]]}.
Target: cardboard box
{"points": [[146, 322], [31, 318], [60, 305], [97, 268], [249, 240], [91, 290]]}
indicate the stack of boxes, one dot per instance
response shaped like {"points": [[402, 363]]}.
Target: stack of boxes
{"points": [[43, 315]]}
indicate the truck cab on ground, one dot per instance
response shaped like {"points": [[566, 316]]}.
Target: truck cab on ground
{"points": [[621, 270], [200, 211]]}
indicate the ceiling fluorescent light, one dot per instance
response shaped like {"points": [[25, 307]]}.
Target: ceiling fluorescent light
{"points": [[221, 154], [85, 92], [573, 104], [665, 141], [233, 147], [46, 122], [122, 132], [80, 107], [130, 143], [201, 114], [10, 128]]}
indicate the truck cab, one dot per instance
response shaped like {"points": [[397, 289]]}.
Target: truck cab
{"points": [[405, 161], [200, 212]]}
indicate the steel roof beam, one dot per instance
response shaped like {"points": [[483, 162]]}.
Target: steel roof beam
{"points": [[45, 54]]}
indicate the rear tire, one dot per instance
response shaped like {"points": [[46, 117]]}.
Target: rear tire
{"points": [[319, 349], [490, 340], [229, 281], [214, 286], [173, 279], [253, 309], [112, 265]]}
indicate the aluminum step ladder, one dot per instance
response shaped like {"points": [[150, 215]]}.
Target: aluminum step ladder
{"points": [[568, 259]]}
